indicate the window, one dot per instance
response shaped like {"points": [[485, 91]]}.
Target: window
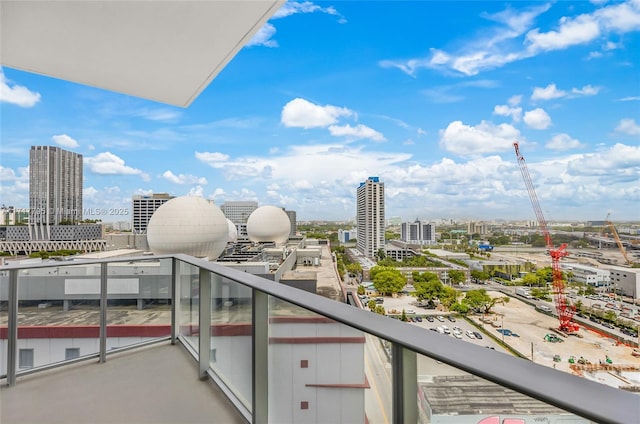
{"points": [[71, 353], [25, 358]]}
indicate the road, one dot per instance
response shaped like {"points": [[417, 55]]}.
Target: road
{"points": [[377, 399]]}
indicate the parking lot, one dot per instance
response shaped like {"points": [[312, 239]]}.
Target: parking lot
{"points": [[432, 319]]}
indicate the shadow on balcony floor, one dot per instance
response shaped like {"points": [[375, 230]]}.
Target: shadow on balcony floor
{"points": [[156, 384]]}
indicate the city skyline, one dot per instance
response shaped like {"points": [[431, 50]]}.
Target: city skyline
{"points": [[432, 110]]}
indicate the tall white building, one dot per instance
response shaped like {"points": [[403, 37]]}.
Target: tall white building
{"points": [[418, 232], [143, 207], [55, 189], [370, 216]]}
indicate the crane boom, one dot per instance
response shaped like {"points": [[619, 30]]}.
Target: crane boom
{"points": [[565, 311], [618, 241]]}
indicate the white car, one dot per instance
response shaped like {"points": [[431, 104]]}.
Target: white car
{"points": [[470, 334], [446, 329], [457, 335]]}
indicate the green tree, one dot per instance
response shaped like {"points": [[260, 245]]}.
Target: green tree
{"points": [[403, 316], [477, 299], [389, 281], [449, 296], [371, 305], [380, 310], [531, 279], [460, 307], [456, 276], [361, 290], [428, 290], [480, 275], [380, 254]]}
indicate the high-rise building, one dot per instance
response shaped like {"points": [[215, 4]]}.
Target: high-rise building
{"points": [[238, 212], [418, 232], [55, 188], [143, 207], [370, 216]]}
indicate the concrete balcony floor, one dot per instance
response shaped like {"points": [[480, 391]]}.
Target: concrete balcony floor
{"points": [[154, 384]]}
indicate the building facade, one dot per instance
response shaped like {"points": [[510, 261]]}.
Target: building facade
{"points": [[625, 281], [585, 274], [143, 207], [293, 219], [238, 212], [418, 232], [370, 216], [13, 216], [55, 189]]}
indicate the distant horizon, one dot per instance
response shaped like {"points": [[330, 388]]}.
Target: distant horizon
{"points": [[322, 98]]}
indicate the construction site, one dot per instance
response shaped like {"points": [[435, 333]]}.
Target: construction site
{"points": [[586, 353]]}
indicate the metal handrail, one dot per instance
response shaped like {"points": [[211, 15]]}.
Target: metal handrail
{"points": [[588, 399]]}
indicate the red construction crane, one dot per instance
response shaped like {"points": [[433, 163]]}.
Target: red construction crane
{"points": [[565, 311]]}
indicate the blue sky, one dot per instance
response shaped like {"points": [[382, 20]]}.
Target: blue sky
{"points": [[429, 96]]}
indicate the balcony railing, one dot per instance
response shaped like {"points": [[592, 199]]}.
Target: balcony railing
{"points": [[281, 354]]}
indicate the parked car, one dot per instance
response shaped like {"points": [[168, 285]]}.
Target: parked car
{"points": [[440, 318], [429, 318], [419, 319], [470, 334], [478, 335], [451, 318], [446, 329]]}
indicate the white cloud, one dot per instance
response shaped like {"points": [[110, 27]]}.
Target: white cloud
{"points": [[16, 94], [562, 142], [579, 30], [484, 138], [619, 160], [196, 191], [65, 141], [211, 156], [183, 179], [504, 110], [109, 164], [515, 100], [167, 115], [587, 90], [628, 126], [355, 133], [629, 99], [304, 114], [264, 37], [537, 119], [513, 38], [294, 7], [547, 93], [14, 186]]}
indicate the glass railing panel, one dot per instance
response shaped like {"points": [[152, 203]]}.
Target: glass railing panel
{"points": [[448, 394], [138, 301], [4, 320], [189, 300], [324, 371], [231, 333], [58, 314]]}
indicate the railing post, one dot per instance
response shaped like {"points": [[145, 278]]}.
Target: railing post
{"points": [[175, 299], [405, 385], [12, 336], [260, 359], [204, 345], [104, 269]]}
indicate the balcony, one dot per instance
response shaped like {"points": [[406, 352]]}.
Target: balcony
{"points": [[120, 341]]}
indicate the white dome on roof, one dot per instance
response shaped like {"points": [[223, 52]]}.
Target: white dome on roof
{"points": [[189, 225], [268, 224], [233, 232]]}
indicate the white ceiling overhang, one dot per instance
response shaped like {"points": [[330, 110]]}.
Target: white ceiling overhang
{"points": [[167, 51]]}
